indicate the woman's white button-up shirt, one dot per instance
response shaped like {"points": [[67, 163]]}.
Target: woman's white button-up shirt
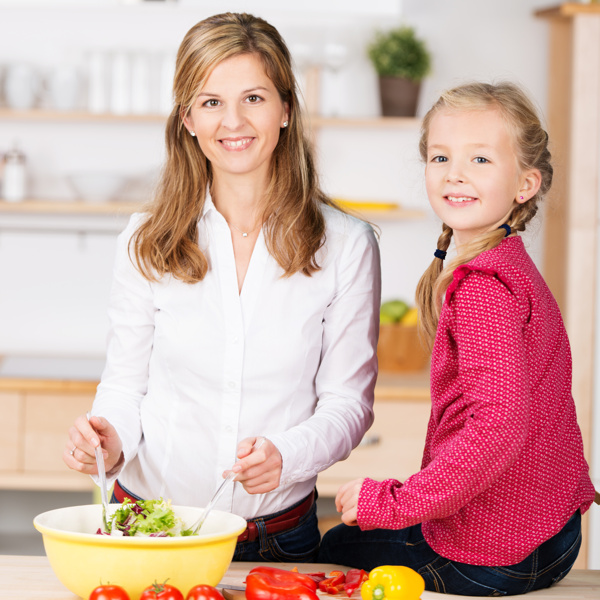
{"points": [[192, 369]]}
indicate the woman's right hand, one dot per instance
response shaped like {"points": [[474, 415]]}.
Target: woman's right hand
{"points": [[84, 436]]}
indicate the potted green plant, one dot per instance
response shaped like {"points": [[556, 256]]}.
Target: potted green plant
{"points": [[401, 60]]}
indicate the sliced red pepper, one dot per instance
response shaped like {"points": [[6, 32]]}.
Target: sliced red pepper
{"points": [[269, 583], [334, 583], [354, 579], [317, 576], [334, 589]]}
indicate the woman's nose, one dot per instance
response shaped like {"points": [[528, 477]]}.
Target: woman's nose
{"points": [[233, 118]]}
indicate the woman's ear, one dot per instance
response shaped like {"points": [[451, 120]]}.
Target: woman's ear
{"points": [[187, 121], [530, 184], [286, 107]]}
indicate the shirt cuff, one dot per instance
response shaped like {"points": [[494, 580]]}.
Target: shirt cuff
{"points": [[372, 512]]}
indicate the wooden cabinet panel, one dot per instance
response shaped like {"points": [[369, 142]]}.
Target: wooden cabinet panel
{"points": [[392, 448], [10, 454], [47, 418]]}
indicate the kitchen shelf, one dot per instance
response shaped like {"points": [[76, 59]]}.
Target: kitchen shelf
{"points": [[125, 208], [68, 208], [39, 115]]}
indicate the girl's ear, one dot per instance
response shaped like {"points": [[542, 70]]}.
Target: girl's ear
{"points": [[530, 184]]}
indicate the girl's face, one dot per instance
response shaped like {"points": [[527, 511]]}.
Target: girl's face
{"points": [[237, 117], [472, 176]]}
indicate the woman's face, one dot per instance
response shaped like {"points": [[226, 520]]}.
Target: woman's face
{"points": [[237, 118]]}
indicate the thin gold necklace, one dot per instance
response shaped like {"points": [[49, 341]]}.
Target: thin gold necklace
{"points": [[244, 233]]}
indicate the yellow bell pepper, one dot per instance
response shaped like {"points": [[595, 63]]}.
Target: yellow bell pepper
{"points": [[393, 583]]}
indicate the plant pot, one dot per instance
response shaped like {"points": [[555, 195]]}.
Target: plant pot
{"points": [[399, 97]]}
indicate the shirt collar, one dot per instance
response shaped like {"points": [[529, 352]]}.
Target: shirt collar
{"points": [[208, 204]]}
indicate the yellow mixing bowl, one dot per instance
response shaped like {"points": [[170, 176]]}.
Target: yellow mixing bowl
{"points": [[83, 560]]}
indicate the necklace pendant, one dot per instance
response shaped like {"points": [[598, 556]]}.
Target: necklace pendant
{"points": [[244, 234]]}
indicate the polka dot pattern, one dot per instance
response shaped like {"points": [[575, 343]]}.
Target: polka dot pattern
{"points": [[503, 466]]}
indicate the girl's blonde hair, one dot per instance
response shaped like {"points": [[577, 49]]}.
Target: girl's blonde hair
{"points": [[166, 242], [531, 146]]}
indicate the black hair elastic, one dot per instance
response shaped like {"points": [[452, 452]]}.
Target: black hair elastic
{"points": [[440, 254], [506, 228]]}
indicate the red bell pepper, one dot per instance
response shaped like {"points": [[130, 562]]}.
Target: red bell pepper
{"points": [[354, 579], [269, 583]]}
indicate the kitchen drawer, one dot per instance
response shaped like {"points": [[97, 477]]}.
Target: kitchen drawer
{"points": [[392, 448], [47, 418], [10, 452]]}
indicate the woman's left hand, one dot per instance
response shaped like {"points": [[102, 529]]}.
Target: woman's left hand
{"points": [[259, 469]]}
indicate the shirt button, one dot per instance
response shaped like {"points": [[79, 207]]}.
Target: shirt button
{"points": [[236, 340], [231, 384], [228, 429]]}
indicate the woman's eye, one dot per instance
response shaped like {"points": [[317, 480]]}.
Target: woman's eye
{"points": [[254, 99], [211, 103], [480, 160]]}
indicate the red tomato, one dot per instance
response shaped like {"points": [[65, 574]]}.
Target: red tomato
{"points": [[161, 591], [204, 592], [109, 592]]}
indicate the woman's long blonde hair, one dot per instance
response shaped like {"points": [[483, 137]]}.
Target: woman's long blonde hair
{"points": [[166, 242], [531, 144]]}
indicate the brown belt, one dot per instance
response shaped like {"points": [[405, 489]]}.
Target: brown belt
{"points": [[282, 522]]}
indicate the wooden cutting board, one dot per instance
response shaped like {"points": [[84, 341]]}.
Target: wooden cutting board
{"points": [[236, 575], [233, 594]]}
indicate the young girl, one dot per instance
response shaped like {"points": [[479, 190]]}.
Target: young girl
{"points": [[496, 508]]}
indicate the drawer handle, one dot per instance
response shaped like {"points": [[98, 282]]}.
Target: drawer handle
{"points": [[370, 440]]}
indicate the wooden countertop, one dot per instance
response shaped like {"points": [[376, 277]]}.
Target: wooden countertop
{"points": [[31, 578], [390, 386]]}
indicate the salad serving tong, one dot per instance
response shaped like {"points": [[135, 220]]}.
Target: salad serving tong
{"points": [[198, 524], [102, 476]]}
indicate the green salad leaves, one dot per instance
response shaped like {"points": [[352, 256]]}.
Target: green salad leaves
{"points": [[146, 518]]}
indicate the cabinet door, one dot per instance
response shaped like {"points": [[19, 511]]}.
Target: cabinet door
{"points": [[47, 420], [10, 450], [392, 448]]}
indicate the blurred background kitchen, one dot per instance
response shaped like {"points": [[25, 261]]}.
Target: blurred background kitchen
{"points": [[84, 90]]}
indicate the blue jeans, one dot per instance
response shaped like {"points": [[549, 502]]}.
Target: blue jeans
{"points": [[299, 544], [546, 565]]}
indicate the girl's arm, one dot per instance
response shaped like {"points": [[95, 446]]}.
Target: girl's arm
{"points": [[483, 428]]}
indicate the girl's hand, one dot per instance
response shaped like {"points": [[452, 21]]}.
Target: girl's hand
{"points": [[259, 469], [346, 501], [84, 436]]}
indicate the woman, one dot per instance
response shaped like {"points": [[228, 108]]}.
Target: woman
{"points": [[244, 305]]}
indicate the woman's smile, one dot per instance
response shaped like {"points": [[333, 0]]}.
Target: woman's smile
{"points": [[236, 144]]}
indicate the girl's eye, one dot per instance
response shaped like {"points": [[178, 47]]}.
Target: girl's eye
{"points": [[439, 159], [480, 160]]}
